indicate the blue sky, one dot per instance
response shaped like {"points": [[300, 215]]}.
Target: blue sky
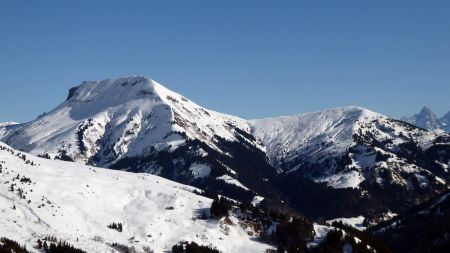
{"points": [[249, 58]]}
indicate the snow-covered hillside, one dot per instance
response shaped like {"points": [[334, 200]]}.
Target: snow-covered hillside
{"points": [[76, 203], [347, 146], [326, 133], [4, 127]]}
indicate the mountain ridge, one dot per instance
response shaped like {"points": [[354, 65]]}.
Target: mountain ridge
{"points": [[138, 125]]}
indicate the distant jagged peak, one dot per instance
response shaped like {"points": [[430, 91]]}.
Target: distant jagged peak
{"points": [[427, 113], [426, 110], [426, 119]]}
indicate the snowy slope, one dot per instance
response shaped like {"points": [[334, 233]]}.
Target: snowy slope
{"points": [[4, 126], [346, 146], [286, 138], [75, 203]]}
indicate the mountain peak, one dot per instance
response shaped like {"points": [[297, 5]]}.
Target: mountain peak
{"points": [[113, 118], [425, 119], [304, 131], [426, 111], [110, 84], [110, 89]]}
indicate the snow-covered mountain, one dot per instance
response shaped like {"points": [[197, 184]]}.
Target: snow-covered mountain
{"points": [[427, 119], [351, 143], [76, 203], [136, 124], [334, 160], [327, 134], [351, 147], [112, 119]]}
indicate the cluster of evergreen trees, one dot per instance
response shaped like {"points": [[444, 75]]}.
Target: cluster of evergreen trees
{"points": [[8, 246], [192, 247], [115, 226], [50, 245], [220, 207], [292, 232], [425, 228], [122, 248], [335, 241], [366, 239], [292, 235], [63, 156]]}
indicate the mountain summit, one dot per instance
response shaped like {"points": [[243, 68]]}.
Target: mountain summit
{"points": [[115, 118], [425, 119]]}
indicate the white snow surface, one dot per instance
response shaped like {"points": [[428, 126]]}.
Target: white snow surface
{"points": [[257, 200], [350, 179], [8, 123], [75, 203], [4, 126], [230, 180], [199, 170], [356, 222], [320, 232]]}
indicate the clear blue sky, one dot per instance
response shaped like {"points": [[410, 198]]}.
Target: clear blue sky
{"points": [[249, 58]]}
